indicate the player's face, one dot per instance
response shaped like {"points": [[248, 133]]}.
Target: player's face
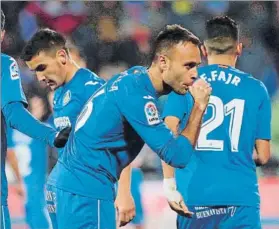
{"points": [[181, 70], [50, 68]]}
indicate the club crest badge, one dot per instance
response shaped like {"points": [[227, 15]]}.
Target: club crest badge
{"points": [[67, 98]]}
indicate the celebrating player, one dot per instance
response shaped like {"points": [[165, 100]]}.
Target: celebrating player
{"points": [[220, 184], [115, 123]]}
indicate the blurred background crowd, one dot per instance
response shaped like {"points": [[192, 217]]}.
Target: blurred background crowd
{"points": [[108, 37]]}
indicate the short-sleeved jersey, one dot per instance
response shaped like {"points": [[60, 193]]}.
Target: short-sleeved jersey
{"points": [[11, 91], [70, 98], [110, 133], [238, 113]]}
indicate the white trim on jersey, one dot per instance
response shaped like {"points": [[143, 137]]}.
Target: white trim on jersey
{"points": [[4, 222], [99, 223]]}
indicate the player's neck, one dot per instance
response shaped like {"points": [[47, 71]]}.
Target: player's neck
{"points": [[156, 79], [72, 69], [228, 60]]}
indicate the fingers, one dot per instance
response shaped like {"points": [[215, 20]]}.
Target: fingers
{"points": [[181, 209], [186, 210], [125, 217]]}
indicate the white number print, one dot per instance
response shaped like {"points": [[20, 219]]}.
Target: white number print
{"points": [[84, 115], [235, 109], [86, 111]]}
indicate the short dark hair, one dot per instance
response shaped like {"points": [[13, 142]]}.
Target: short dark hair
{"points": [[172, 35], [43, 40], [221, 34], [2, 20]]}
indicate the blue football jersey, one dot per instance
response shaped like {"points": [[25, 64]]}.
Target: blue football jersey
{"points": [[11, 91], [69, 99], [110, 132], [238, 113]]}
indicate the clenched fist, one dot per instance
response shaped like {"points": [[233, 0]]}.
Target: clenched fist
{"points": [[201, 91]]}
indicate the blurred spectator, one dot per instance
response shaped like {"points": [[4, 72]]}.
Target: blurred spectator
{"points": [[62, 16], [109, 48]]}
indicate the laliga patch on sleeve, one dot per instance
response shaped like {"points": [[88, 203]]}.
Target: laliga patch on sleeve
{"points": [[14, 72], [151, 113]]}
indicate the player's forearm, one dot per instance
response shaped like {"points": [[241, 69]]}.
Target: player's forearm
{"points": [[124, 183], [193, 127], [177, 152], [19, 118], [11, 158], [168, 171]]}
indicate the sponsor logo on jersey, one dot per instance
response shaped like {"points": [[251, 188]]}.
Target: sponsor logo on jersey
{"points": [[62, 122], [151, 113]]}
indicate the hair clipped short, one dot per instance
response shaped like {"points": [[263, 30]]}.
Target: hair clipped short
{"points": [[172, 35], [43, 40], [221, 27], [221, 35]]}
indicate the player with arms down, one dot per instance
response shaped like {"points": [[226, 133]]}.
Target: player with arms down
{"points": [[15, 115]]}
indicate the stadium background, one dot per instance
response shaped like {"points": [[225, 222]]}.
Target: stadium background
{"points": [[108, 37]]}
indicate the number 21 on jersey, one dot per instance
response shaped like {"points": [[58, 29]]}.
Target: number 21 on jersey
{"points": [[234, 109]]}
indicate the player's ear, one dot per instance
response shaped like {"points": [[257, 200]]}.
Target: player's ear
{"points": [[2, 35], [204, 51], [239, 49], [163, 62], [61, 54]]}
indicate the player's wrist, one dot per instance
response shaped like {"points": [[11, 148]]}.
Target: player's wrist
{"points": [[169, 183], [200, 106], [169, 186]]}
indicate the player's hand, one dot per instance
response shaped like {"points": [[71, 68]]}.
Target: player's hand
{"points": [[126, 209], [201, 91], [62, 137], [175, 199]]}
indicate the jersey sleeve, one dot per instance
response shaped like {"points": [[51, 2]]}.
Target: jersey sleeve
{"points": [[27, 124], [263, 130], [142, 114], [175, 105], [10, 142], [11, 83]]}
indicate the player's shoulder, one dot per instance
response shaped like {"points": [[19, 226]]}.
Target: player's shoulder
{"points": [[9, 66], [128, 82], [90, 77], [214, 67], [6, 59], [253, 83]]}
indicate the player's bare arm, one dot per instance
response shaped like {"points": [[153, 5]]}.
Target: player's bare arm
{"points": [[175, 199], [124, 202], [12, 159], [262, 154]]}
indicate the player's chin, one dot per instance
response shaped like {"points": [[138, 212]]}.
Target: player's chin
{"points": [[181, 91], [53, 87]]}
